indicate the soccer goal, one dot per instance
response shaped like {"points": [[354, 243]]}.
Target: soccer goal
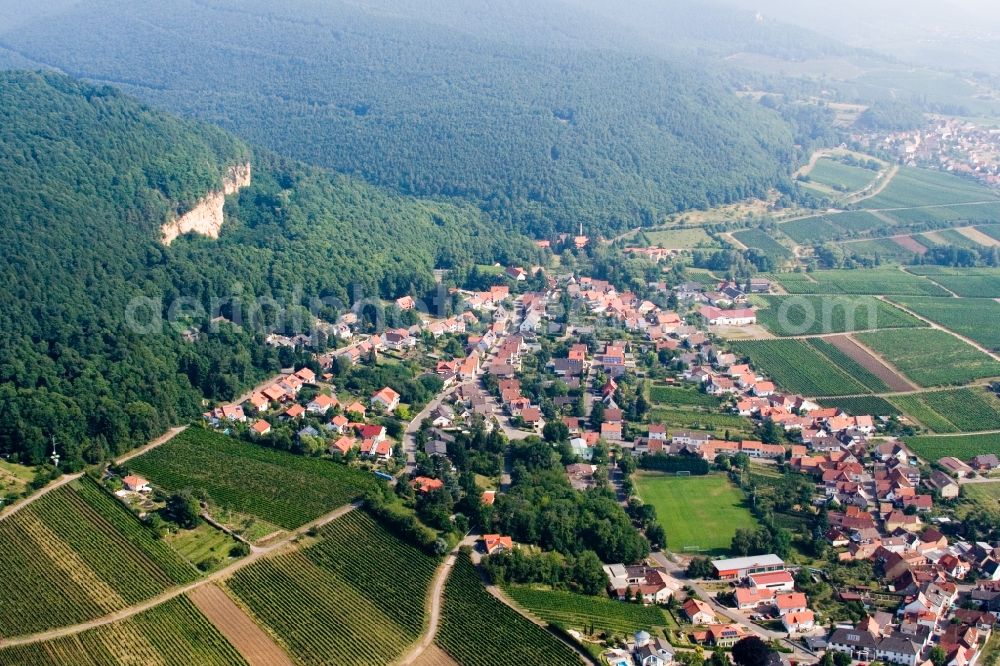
{"points": [[682, 473]]}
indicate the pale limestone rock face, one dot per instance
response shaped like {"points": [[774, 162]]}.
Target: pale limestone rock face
{"points": [[206, 217]]}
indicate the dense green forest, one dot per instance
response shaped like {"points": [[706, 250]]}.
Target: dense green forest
{"points": [[89, 177], [541, 137]]}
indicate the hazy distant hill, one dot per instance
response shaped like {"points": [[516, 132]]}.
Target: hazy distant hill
{"points": [[541, 117], [950, 34]]}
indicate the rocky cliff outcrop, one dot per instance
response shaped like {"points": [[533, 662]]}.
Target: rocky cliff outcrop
{"points": [[206, 217]]}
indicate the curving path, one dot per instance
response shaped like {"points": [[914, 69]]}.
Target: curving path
{"points": [[434, 602], [875, 191]]}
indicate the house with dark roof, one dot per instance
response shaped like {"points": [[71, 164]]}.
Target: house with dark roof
{"points": [[567, 367], [897, 649], [985, 462], [861, 645]]}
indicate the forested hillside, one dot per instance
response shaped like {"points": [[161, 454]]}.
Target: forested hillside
{"points": [[89, 177], [540, 136]]}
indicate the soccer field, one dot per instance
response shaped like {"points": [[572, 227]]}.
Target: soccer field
{"points": [[696, 511]]}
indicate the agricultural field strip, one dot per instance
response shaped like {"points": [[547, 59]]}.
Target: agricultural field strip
{"points": [[978, 237], [957, 204], [894, 233], [798, 367], [700, 420], [173, 593], [851, 366], [279, 487], [913, 187], [238, 627], [932, 447], [935, 325], [913, 407], [877, 282], [670, 395], [578, 611], [956, 361], [357, 595], [832, 173], [172, 633], [815, 315], [478, 629], [953, 410], [831, 219], [975, 318], [105, 555], [930, 278], [972, 284], [424, 647], [986, 496], [869, 404], [857, 353], [883, 182], [760, 239], [889, 395]]}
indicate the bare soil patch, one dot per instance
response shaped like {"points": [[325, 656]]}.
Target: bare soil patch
{"points": [[895, 381], [434, 656], [239, 628], [977, 236], [907, 243], [751, 332]]}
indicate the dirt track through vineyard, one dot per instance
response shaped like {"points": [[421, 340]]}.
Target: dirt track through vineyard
{"points": [[434, 656], [239, 628], [895, 381]]}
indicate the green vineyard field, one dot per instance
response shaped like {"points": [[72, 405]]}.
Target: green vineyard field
{"points": [[921, 187], [975, 318], [867, 404], [952, 361], [479, 630], [279, 487], [848, 365], [873, 282], [955, 410], [798, 367], [672, 395], [811, 230], [966, 282], [960, 446], [355, 597], [78, 556], [578, 611], [813, 315], [761, 240], [912, 406], [840, 176], [174, 633]]}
